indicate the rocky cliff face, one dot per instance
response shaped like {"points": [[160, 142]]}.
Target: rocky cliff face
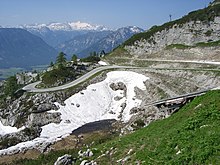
{"points": [[189, 33]]}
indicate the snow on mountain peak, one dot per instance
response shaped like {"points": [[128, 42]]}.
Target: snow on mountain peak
{"points": [[70, 26], [85, 26], [136, 29], [59, 26]]}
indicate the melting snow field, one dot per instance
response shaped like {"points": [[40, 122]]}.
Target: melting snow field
{"points": [[8, 129], [95, 103]]}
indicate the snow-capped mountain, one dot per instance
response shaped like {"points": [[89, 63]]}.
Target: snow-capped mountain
{"points": [[81, 38], [57, 33], [70, 26]]}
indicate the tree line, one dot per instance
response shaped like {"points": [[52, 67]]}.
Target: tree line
{"points": [[61, 59]]}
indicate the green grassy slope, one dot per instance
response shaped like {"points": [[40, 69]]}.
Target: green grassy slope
{"points": [[191, 136]]}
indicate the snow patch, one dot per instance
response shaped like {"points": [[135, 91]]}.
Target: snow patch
{"points": [[102, 63], [135, 29], [96, 103], [8, 129], [217, 88]]}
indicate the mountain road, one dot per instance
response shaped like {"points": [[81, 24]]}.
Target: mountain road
{"points": [[32, 87]]}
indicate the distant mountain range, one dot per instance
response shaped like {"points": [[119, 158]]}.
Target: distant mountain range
{"points": [[82, 45], [71, 26], [81, 38], [20, 48], [40, 43], [57, 33], [112, 40], [81, 42]]}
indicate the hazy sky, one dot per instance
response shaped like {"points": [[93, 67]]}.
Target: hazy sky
{"points": [[111, 13]]}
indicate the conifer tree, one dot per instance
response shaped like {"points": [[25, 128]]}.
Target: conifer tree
{"points": [[61, 60]]}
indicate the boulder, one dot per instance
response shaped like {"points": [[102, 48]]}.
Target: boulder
{"points": [[118, 86], [86, 162], [134, 110], [41, 119], [117, 98], [64, 160], [44, 107], [89, 153]]}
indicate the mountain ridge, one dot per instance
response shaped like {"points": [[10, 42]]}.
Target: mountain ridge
{"points": [[81, 38], [68, 26], [84, 44], [80, 42], [197, 30], [20, 48], [56, 33]]}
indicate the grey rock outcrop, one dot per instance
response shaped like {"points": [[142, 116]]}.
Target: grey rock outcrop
{"points": [[44, 107], [86, 162], [18, 112], [118, 86], [188, 34], [87, 153], [41, 119], [64, 160], [25, 135]]}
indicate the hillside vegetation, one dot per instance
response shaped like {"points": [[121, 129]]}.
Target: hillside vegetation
{"points": [[190, 136], [200, 44]]}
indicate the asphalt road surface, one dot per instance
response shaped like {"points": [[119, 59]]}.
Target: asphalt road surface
{"points": [[32, 87]]}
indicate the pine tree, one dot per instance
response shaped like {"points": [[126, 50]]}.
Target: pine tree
{"points": [[74, 59], [61, 60], [11, 86], [51, 64]]}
